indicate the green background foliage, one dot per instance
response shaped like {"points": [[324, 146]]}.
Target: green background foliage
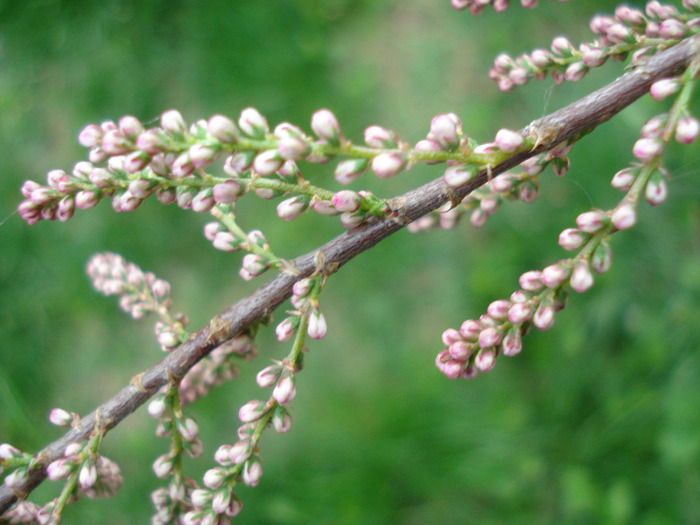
{"points": [[597, 421]]}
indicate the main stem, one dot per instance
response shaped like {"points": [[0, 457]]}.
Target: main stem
{"points": [[566, 124]]}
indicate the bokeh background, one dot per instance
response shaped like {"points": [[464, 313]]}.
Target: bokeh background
{"points": [[597, 421]]}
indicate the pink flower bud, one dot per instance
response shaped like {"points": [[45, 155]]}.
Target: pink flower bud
{"points": [[286, 328], [59, 469], [386, 165], [461, 350], [87, 476], [281, 420], [581, 277], [509, 141], [157, 407], [172, 121], [222, 129], [591, 221], [346, 200], [348, 170], [292, 148], [60, 417], [530, 281], [378, 137], [624, 216], [317, 325], [664, 88], [490, 336], [252, 472], [7, 451], [555, 274], [162, 466], [687, 130], [624, 179], [512, 342], [562, 47], [656, 191], [268, 162], [498, 309], [485, 360], [572, 239], [458, 174], [470, 330], [520, 312], [201, 156], [544, 316], [575, 71], [239, 452], [285, 390], [213, 478], [251, 411], [325, 125], [647, 148], [445, 130], [268, 376], [226, 192], [602, 258], [291, 208], [252, 123]]}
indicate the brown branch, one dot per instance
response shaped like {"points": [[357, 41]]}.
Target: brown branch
{"points": [[567, 123]]}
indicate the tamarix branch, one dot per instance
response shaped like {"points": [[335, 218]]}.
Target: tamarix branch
{"points": [[208, 166]]}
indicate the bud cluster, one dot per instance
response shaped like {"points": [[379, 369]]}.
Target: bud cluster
{"points": [[487, 199], [219, 366], [476, 7], [139, 292], [473, 348], [629, 32]]}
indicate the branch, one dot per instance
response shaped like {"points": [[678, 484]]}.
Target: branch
{"points": [[567, 124]]}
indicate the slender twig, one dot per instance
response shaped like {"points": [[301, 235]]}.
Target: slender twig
{"points": [[563, 125]]}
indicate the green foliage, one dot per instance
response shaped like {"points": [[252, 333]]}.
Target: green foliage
{"points": [[595, 422]]}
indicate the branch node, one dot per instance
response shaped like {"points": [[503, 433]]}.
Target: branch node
{"points": [[219, 330], [137, 382]]}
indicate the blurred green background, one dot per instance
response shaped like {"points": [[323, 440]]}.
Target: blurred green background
{"points": [[597, 421]]}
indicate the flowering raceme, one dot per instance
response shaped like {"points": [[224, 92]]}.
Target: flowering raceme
{"points": [[208, 166]]}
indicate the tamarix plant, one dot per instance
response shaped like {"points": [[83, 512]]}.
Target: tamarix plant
{"points": [[208, 166]]}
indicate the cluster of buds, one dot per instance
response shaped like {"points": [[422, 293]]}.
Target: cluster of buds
{"points": [[475, 345], [487, 199], [476, 7], [219, 366], [305, 301], [96, 475], [140, 293], [630, 30]]}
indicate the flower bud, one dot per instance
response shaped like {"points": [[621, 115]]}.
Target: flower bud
{"points": [[346, 200], [348, 170], [268, 162], [281, 420], [59, 469], [60, 417], [252, 472], [687, 130], [647, 148], [530, 281], [555, 274], [664, 88], [470, 330], [268, 376], [286, 328], [292, 148], [624, 216], [509, 141], [602, 258], [544, 316], [325, 126], [285, 390], [498, 309], [378, 137], [386, 165], [213, 478], [317, 325], [157, 407], [291, 208], [656, 191], [222, 129], [512, 342], [485, 360], [90, 136], [490, 336], [520, 312], [623, 179], [251, 411], [445, 130], [581, 277], [172, 121], [591, 221], [572, 239], [252, 123], [458, 174]]}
